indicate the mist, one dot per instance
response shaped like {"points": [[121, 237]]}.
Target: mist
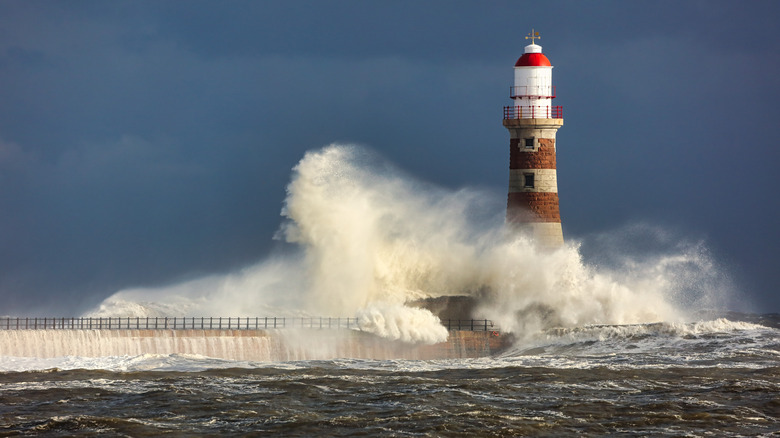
{"points": [[366, 239]]}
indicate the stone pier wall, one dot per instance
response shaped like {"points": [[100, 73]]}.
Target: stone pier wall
{"points": [[250, 345]]}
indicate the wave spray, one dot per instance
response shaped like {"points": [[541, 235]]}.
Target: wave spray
{"points": [[370, 240]]}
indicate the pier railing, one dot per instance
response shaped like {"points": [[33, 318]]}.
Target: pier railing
{"points": [[212, 323]]}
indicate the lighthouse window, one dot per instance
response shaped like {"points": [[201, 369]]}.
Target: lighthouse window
{"points": [[529, 180], [529, 143]]}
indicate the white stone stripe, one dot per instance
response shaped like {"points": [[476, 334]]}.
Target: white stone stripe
{"points": [[548, 234], [545, 234], [545, 180]]}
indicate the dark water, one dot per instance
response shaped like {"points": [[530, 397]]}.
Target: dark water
{"points": [[715, 378]]}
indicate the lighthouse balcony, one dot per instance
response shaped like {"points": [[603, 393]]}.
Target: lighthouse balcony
{"points": [[533, 91], [533, 112]]}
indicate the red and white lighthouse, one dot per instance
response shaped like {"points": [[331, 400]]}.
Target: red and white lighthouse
{"points": [[532, 122]]}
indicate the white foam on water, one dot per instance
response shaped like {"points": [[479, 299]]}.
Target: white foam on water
{"points": [[143, 362], [719, 342]]}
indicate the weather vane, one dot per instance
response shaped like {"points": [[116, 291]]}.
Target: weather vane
{"points": [[533, 35]]}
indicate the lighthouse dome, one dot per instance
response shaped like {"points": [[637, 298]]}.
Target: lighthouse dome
{"points": [[533, 57]]}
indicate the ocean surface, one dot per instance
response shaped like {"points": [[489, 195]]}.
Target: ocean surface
{"points": [[715, 377]]}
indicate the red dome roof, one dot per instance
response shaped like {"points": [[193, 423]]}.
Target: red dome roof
{"points": [[533, 60]]}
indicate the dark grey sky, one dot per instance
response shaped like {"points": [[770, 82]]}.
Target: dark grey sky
{"points": [[146, 142]]}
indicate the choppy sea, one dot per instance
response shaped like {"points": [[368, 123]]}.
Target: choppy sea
{"points": [[715, 377]]}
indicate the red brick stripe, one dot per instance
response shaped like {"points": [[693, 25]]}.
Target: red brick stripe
{"points": [[532, 207], [542, 158]]}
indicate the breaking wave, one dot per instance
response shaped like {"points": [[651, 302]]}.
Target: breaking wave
{"points": [[369, 240]]}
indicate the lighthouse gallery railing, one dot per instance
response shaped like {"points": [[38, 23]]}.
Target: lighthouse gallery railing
{"points": [[533, 112]]}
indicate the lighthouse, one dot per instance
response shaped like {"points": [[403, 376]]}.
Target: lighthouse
{"points": [[532, 121]]}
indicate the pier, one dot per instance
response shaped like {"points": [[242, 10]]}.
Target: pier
{"points": [[262, 339], [212, 323]]}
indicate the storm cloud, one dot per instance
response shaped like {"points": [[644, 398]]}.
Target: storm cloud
{"points": [[143, 143]]}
